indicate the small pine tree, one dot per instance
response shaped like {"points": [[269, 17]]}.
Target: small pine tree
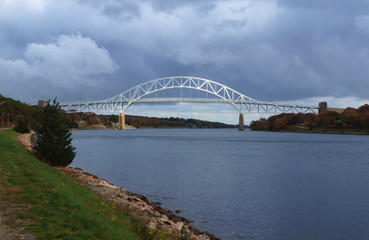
{"points": [[53, 137]]}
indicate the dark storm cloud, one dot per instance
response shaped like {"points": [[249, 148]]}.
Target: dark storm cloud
{"points": [[281, 50]]}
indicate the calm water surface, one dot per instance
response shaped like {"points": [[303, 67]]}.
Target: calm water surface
{"points": [[241, 185]]}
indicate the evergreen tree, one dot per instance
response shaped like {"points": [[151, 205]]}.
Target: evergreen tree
{"points": [[53, 137]]}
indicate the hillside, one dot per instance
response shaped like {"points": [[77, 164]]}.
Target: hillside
{"points": [[350, 120], [9, 105], [51, 204]]}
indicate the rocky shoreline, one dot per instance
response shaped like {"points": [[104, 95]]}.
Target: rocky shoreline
{"points": [[156, 217]]}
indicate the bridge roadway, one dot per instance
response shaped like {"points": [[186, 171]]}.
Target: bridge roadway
{"points": [[104, 106], [219, 92]]}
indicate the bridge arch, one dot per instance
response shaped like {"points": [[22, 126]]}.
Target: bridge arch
{"points": [[240, 102], [226, 94]]}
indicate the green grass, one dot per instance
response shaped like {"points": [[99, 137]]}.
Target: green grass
{"points": [[54, 205]]}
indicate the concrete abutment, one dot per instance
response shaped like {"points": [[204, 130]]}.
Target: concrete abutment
{"points": [[122, 121], [241, 125]]}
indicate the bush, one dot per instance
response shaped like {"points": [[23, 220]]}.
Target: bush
{"points": [[53, 137], [22, 127]]}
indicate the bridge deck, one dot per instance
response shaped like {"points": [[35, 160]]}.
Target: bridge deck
{"points": [[104, 106], [219, 94]]}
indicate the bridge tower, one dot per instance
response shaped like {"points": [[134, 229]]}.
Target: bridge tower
{"points": [[122, 121], [241, 126]]}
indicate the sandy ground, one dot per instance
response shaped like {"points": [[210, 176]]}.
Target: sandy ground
{"points": [[10, 233]]}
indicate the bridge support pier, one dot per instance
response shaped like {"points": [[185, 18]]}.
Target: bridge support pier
{"points": [[241, 126], [122, 121]]}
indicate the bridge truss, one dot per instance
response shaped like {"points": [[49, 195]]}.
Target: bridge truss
{"points": [[220, 93]]}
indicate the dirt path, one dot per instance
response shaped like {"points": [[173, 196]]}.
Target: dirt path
{"points": [[9, 233]]}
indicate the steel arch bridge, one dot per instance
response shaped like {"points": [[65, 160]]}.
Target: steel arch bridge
{"points": [[221, 94], [239, 101]]}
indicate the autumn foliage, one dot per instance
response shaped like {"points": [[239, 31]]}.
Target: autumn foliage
{"points": [[351, 118], [109, 121]]}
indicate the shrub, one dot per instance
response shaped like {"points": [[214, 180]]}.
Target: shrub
{"points": [[22, 127], [53, 137]]}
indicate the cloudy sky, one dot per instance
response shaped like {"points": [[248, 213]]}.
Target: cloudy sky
{"points": [[287, 51]]}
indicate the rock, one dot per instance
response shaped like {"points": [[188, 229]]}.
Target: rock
{"points": [[151, 226], [165, 217], [157, 214], [189, 221], [177, 211], [196, 231], [203, 237], [159, 209], [179, 226], [143, 198], [146, 212], [193, 236], [178, 219], [120, 195]]}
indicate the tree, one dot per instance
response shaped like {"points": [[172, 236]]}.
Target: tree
{"points": [[53, 137]]}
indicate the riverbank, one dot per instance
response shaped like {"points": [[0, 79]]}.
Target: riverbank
{"points": [[101, 127], [49, 204], [157, 218], [155, 222], [98, 127], [321, 131]]}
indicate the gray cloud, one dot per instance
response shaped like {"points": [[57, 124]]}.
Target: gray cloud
{"points": [[67, 63], [271, 50]]}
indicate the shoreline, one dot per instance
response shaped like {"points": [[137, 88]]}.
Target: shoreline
{"points": [[158, 219], [130, 128], [317, 132]]}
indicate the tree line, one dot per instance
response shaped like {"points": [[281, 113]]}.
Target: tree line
{"points": [[110, 121], [350, 118]]}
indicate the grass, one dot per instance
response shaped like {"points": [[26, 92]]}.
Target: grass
{"points": [[54, 205]]}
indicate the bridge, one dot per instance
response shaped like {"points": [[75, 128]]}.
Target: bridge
{"points": [[213, 92]]}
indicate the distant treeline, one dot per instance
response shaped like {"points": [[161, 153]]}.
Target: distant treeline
{"points": [[91, 119], [138, 121], [13, 111], [351, 118], [11, 106]]}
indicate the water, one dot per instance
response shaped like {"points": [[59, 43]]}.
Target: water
{"points": [[241, 185]]}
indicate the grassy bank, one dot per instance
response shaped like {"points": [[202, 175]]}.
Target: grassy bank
{"points": [[53, 205]]}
